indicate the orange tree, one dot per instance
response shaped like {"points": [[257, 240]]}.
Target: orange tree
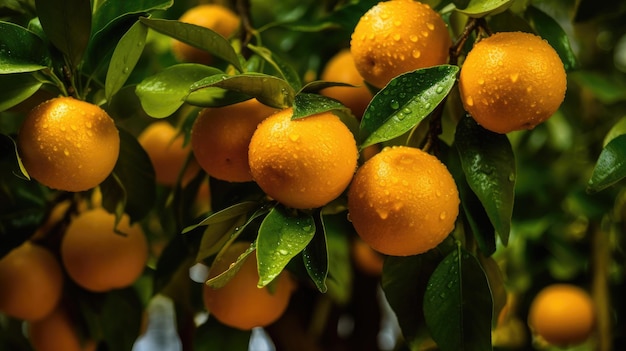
{"points": [[536, 206]]}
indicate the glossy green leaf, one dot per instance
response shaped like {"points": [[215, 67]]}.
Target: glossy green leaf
{"points": [[281, 236], [17, 87], [611, 165], [286, 71], [163, 93], [315, 257], [489, 165], [67, 24], [269, 90], [618, 129], [213, 335], [405, 102], [124, 59], [338, 231], [131, 186], [482, 8], [21, 50], [609, 89], [221, 279], [458, 304], [226, 214], [306, 104], [197, 36], [495, 278], [110, 11], [549, 29]]}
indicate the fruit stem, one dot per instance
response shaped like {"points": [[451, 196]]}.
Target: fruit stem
{"points": [[474, 24], [243, 8]]}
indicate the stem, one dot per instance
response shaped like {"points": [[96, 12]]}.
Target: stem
{"points": [[243, 9]]}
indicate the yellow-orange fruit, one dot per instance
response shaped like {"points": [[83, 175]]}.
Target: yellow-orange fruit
{"points": [[58, 332], [398, 36], [403, 201], [512, 81], [68, 144], [303, 163]]}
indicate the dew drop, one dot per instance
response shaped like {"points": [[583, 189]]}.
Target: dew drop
{"points": [[294, 137], [443, 215], [125, 70], [396, 37], [66, 152], [439, 89], [481, 81], [413, 38], [394, 104], [407, 110], [416, 53], [514, 77], [511, 177], [383, 214], [397, 23], [430, 26], [470, 101], [283, 252]]}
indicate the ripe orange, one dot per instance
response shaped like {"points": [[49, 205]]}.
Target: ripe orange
{"points": [[68, 144], [403, 201], [398, 36], [32, 282], [341, 68], [562, 314], [58, 332], [220, 138], [512, 81], [97, 257], [167, 152], [216, 17], [241, 303], [303, 163]]}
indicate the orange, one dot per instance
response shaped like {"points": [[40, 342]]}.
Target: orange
{"points": [[366, 259], [512, 81], [68, 144], [303, 163], [32, 282], [340, 68], [403, 201], [167, 152], [241, 303], [216, 17], [398, 36], [98, 256], [220, 138], [562, 314], [58, 332]]}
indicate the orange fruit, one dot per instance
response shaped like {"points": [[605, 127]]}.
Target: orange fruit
{"points": [[303, 163], [398, 36], [58, 332], [32, 282], [167, 152], [68, 144], [403, 201], [340, 68], [216, 17], [366, 259], [512, 81], [562, 314], [99, 256], [220, 138], [241, 303]]}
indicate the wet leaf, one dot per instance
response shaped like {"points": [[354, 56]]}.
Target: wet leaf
{"points": [[221, 279], [458, 305], [226, 214], [618, 129], [21, 50], [610, 167], [17, 87], [315, 257], [111, 11], [405, 102], [286, 71], [124, 59], [549, 29], [482, 8], [306, 104]]}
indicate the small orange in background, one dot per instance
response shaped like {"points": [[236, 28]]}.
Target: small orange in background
{"points": [[366, 259], [57, 332]]}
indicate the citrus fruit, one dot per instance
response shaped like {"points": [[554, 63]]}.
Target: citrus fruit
{"points": [[366, 259], [303, 163], [68, 144], [99, 256], [216, 17], [398, 36], [167, 152], [241, 303], [58, 332], [403, 201], [562, 314], [340, 68], [32, 282], [220, 138], [512, 81]]}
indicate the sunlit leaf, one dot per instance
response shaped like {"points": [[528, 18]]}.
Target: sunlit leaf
{"points": [[611, 165], [618, 129], [405, 102], [110, 11], [221, 279], [226, 214], [489, 165], [21, 50], [286, 71], [315, 257], [309, 104], [17, 87], [281, 236], [482, 8], [124, 59], [458, 305], [549, 29]]}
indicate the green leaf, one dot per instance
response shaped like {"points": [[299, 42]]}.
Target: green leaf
{"points": [[618, 129], [197, 36], [482, 8], [495, 278], [405, 102], [124, 59], [315, 257], [286, 71], [131, 187], [212, 335], [281, 237], [21, 50], [163, 93], [489, 165], [67, 24], [221, 279], [610, 167], [269, 90], [17, 87], [120, 330], [549, 29], [609, 89], [458, 305], [306, 104], [338, 231], [224, 215], [109, 12]]}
